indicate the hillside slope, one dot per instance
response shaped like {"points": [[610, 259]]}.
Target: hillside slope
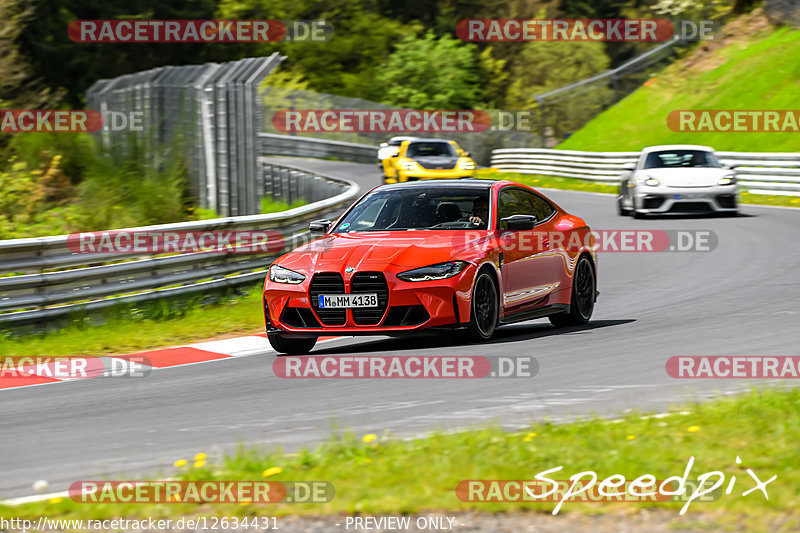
{"points": [[753, 67]]}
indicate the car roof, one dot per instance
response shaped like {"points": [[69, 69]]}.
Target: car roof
{"points": [[420, 139], [401, 138], [665, 147], [455, 183]]}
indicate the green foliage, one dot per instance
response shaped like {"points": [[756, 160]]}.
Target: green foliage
{"points": [[759, 72], [430, 73], [547, 65], [63, 183]]}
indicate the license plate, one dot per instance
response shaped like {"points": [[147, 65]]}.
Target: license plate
{"points": [[343, 301], [697, 196]]}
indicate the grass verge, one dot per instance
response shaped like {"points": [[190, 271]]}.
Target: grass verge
{"points": [[575, 184], [240, 315], [746, 69], [377, 475]]}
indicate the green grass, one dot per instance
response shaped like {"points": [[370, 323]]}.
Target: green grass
{"points": [[396, 476], [575, 184], [268, 205], [759, 72], [241, 315]]}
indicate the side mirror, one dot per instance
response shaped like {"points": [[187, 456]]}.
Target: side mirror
{"points": [[384, 145], [465, 154], [520, 222], [319, 227], [729, 166], [629, 166]]}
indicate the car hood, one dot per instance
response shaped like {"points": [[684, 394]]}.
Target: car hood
{"points": [[379, 250], [687, 177], [436, 161]]}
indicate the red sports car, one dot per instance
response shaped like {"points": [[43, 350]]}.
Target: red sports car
{"points": [[461, 253]]}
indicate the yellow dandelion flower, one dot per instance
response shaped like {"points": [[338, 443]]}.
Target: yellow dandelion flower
{"points": [[630, 437], [180, 462], [199, 464], [200, 457], [369, 437], [693, 429], [55, 500], [271, 471], [531, 435]]}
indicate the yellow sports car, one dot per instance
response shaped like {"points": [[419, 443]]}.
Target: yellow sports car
{"points": [[425, 159]]}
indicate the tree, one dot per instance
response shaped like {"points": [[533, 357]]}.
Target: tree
{"points": [[547, 65], [430, 73], [18, 86]]}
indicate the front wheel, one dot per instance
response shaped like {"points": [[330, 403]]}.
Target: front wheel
{"points": [[583, 292], [622, 211], [291, 346], [484, 316]]}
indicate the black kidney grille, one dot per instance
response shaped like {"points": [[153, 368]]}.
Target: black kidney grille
{"points": [[327, 283], [370, 282]]}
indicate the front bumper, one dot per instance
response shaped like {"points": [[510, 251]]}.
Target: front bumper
{"points": [[406, 307], [686, 200]]}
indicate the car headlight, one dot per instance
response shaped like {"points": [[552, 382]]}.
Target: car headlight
{"points": [[730, 179], [466, 164], [409, 165], [651, 181], [278, 274], [432, 272]]}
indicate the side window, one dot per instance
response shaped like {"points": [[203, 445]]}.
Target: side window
{"points": [[521, 202], [541, 208]]}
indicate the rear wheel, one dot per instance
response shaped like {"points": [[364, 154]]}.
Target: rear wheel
{"points": [[484, 316], [291, 346], [583, 292]]}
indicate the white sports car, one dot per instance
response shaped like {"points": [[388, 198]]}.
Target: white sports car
{"points": [[677, 179]]}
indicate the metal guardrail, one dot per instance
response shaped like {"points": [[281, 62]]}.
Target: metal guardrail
{"points": [[215, 110], [51, 287], [758, 172], [293, 145]]}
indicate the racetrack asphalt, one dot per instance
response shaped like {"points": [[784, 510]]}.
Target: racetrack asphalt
{"points": [[739, 299]]}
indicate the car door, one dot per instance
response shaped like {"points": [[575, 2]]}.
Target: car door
{"points": [[529, 263]]}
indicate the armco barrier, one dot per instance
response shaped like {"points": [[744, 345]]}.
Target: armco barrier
{"points": [[49, 286], [759, 172], [293, 145]]}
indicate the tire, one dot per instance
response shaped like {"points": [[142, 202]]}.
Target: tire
{"points": [[621, 211], [583, 293], [291, 346], [637, 215], [484, 307]]}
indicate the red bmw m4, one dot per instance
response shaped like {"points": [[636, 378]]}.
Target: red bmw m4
{"points": [[451, 254]]}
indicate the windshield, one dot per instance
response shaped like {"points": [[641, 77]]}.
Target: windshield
{"points": [[419, 209], [681, 158], [431, 149]]}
